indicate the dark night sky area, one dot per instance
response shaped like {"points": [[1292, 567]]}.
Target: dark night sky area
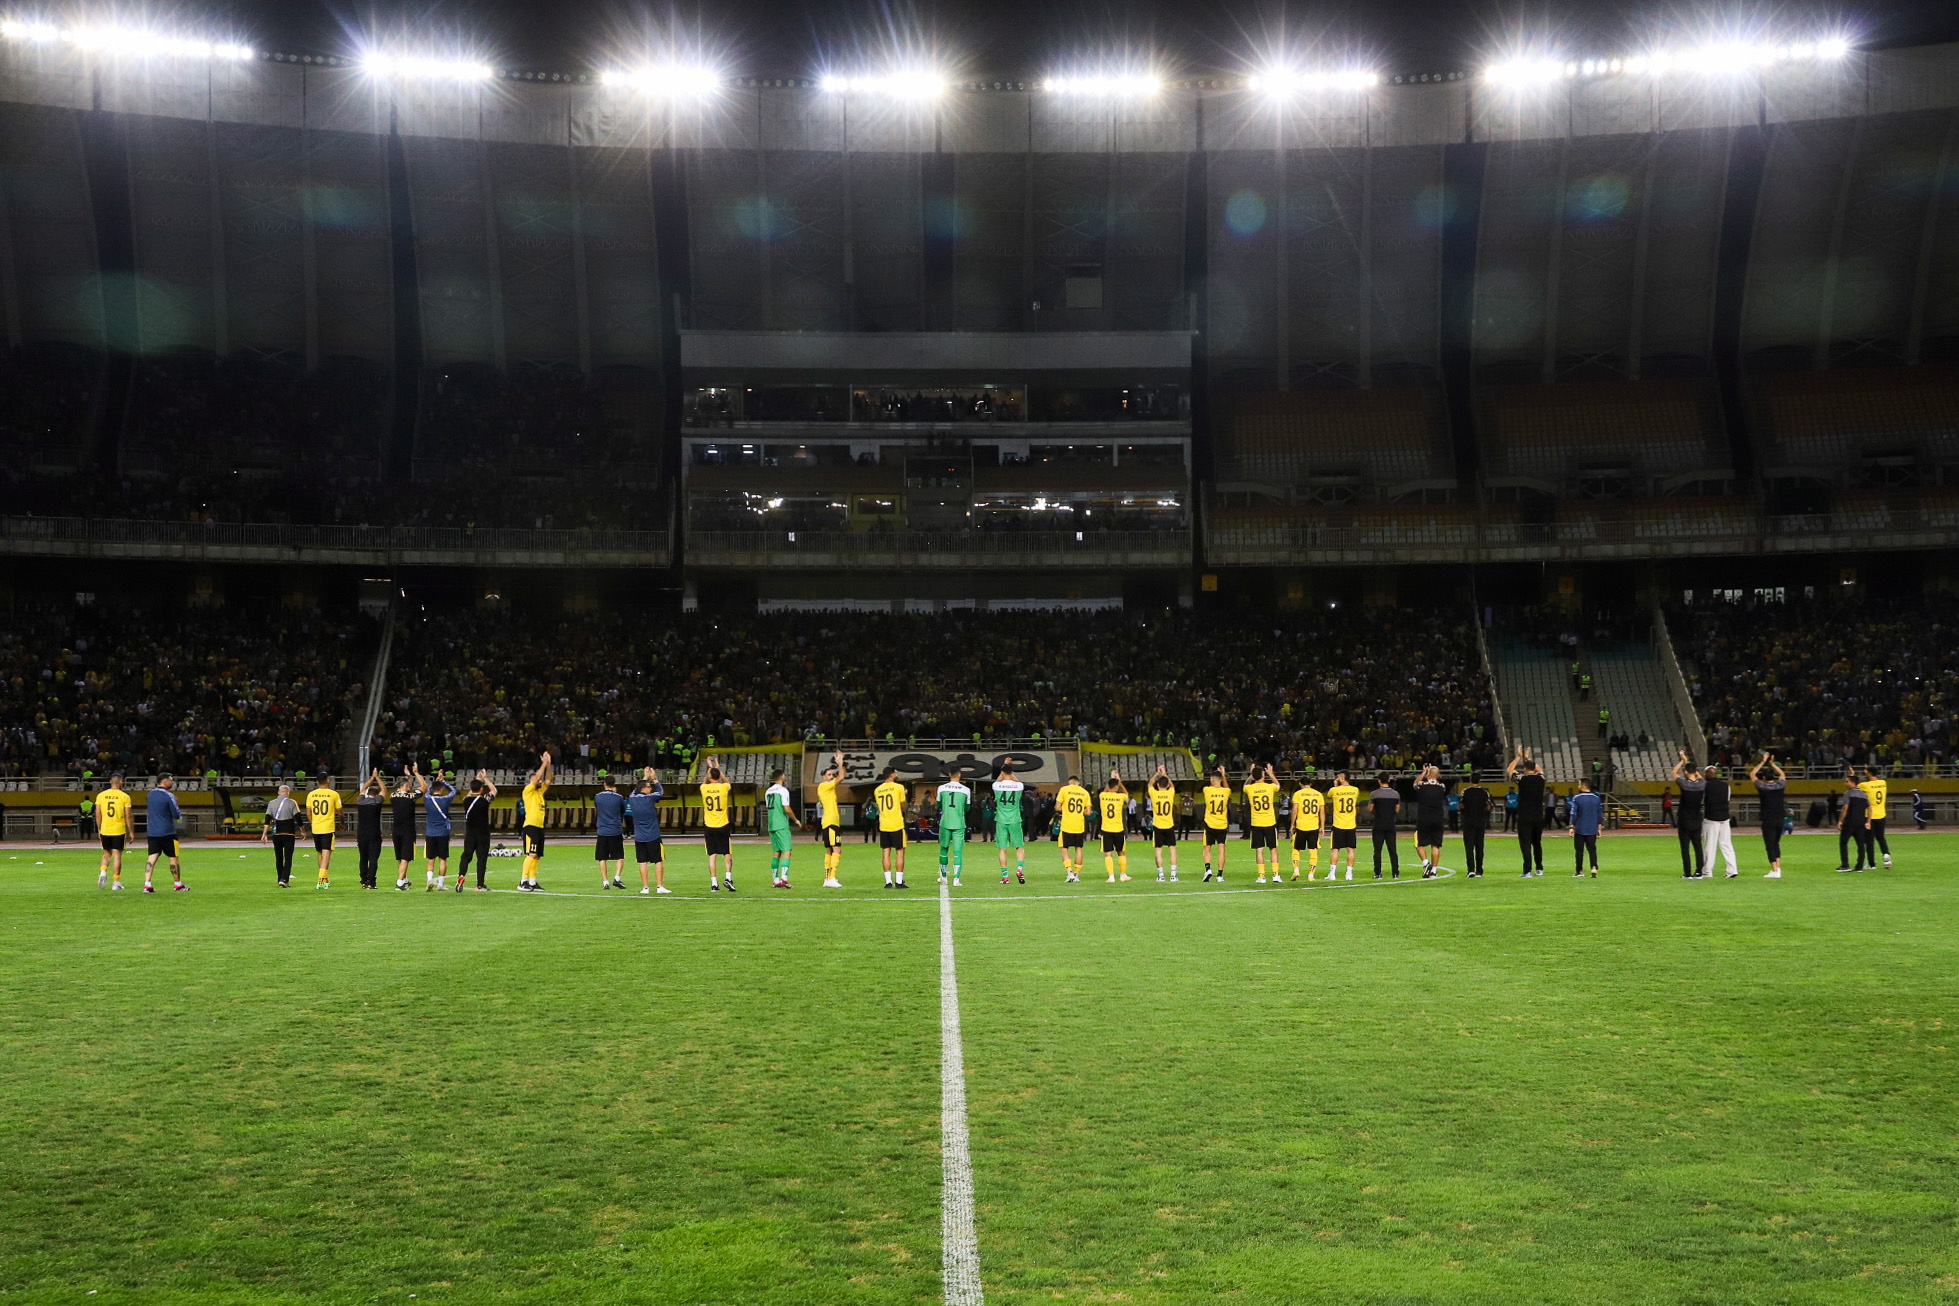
{"points": [[1026, 38]]}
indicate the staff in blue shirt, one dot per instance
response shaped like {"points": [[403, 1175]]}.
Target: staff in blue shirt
{"points": [[436, 798], [162, 830], [643, 807], [1587, 814], [609, 848]]}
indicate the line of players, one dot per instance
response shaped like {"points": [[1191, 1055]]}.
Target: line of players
{"points": [[1704, 826]]}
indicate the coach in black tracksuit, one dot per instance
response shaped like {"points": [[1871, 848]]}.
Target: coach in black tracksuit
{"points": [[367, 832], [1474, 805], [1693, 795], [476, 829], [1530, 809]]}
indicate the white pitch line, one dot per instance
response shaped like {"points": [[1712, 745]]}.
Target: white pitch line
{"points": [[1444, 873], [961, 1240]]}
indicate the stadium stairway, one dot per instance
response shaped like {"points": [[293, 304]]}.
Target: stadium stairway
{"points": [[1630, 680], [1535, 686]]}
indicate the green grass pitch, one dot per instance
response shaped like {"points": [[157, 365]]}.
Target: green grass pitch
{"points": [[1499, 1091]]}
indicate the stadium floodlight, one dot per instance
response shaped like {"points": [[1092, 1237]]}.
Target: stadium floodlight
{"points": [[1713, 59], [1108, 86], [421, 68], [1284, 83], [126, 42], [665, 81], [918, 85]]}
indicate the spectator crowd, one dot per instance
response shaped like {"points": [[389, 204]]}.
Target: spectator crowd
{"points": [[1359, 690], [241, 693], [1824, 684]]}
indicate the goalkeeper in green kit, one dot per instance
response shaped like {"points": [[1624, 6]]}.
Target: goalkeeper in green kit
{"points": [[954, 799], [780, 815]]}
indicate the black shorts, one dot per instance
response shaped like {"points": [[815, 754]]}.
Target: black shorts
{"points": [[1304, 839], [1111, 842], [405, 847], [716, 838], [322, 843], [1165, 838], [1346, 838], [1428, 836], [609, 848], [891, 839], [831, 837], [112, 843], [436, 847], [164, 847], [1075, 840], [533, 841], [1265, 836], [1214, 835], [649, 851]]}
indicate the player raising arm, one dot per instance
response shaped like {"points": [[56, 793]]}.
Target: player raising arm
{"points": [[714, 825], [648, 847], [1114, 803], [1072, 803], [954, 800], [407, 798], [1344, 801], [1308, 813], [1008, 795], [1774, 796], [532, 821], [829, 820], [1163, 820], [1262, 810], [1217, 821], [780, 816]]}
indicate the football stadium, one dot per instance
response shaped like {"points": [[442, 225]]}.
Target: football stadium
{"points": [[1342, 674]]}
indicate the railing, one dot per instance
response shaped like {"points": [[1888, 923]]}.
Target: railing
{"points": [[1685, 532], [971, 428], [377, 681], [872, 544], [23, 534], [1683, 701]]}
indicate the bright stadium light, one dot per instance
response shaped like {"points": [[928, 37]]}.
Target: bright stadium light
{"points": [[421, 68], [126, 42], [904, 84], [1713, 59], [1283, 83], [665, 81], [1108, 86]]}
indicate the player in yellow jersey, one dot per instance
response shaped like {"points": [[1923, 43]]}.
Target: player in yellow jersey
{"points": [[1217, 821], [1163, 820], [1343, 800], [112, 827], [889, 796], [1262, 808], [1114, 802], [1308, 813], [829, 821], [1879, 790], [1073, 803], [323, 818], [716, 811], [530, 807]]}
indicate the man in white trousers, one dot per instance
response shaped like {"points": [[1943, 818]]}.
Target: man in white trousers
{"points": [[1717, 824]]}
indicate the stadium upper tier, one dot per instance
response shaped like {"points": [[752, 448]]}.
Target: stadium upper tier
{"points": [[1486, 320]]}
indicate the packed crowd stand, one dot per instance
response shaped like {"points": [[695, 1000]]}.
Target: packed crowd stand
{"points": [[1361, 689], [98, 690], [1824, 684]]}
